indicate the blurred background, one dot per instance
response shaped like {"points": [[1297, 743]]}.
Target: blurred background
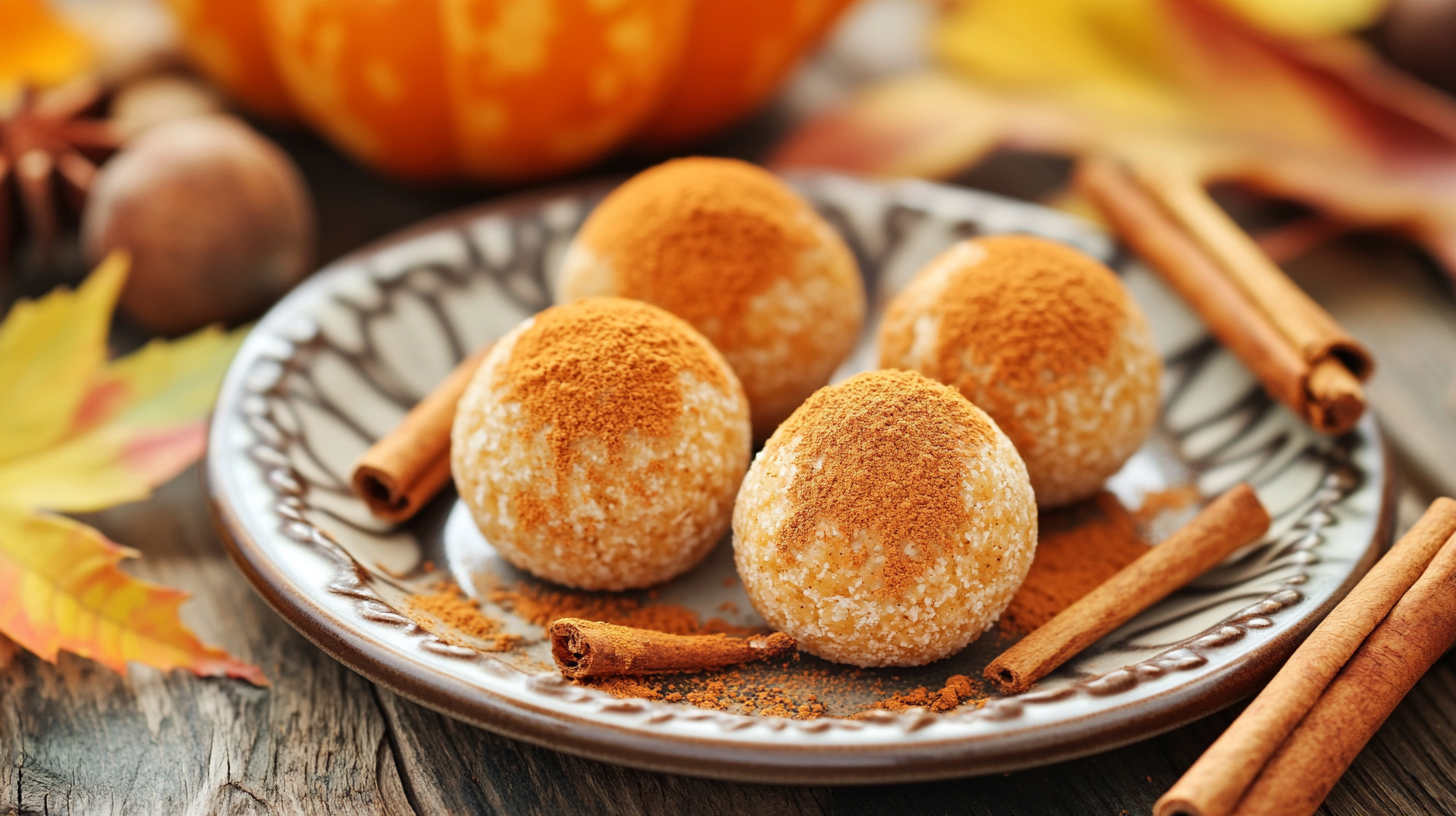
{"points": [[234, 146]]}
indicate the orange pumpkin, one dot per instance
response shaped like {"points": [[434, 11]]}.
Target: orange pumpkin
{"points": [[225, 41], [738, 51], [500, 89]]}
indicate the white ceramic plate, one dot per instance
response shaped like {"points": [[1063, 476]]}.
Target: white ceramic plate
{"points": [[341, 359]]}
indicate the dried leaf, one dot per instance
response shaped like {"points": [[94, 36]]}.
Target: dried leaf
{"points": [[1184, 84], [80, 433], [930, 124], [1309, 18], [61, 589], [50, 351], [143, 420]]}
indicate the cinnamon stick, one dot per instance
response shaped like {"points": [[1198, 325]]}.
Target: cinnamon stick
{"points": [[1215, 783], [585, 648], [406, 467], [1231, 521], [1243, 330], [1302, 362], [1312, 331], [1420, 629]]}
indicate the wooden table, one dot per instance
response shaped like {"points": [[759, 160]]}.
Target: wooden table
{"points": [[75, 738]]}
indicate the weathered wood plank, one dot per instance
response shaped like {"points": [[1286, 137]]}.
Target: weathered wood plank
{"points": [[454, 768], [75, 738]]}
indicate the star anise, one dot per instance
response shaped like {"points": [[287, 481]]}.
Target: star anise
{"points": [[49, 151]]}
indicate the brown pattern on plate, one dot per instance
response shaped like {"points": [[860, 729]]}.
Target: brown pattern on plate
{"points": [[339, 361]]}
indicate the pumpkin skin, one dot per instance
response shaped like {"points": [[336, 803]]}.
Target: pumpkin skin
{"points": [[737, 54], [500, 90], [225, 40]]}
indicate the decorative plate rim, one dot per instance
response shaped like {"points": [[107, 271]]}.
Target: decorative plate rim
{"points": [[613, 740]]}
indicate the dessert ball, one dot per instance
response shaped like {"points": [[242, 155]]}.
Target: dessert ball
{"points": [[1044, 339], [600, 445], [887, 522], [729, 248]]}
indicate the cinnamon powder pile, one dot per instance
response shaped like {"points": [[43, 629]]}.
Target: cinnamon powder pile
{"points": [[793, 690], [958, 689], [877, 453], [701, 238], [1079, 547], [600, 369], [740, 691], [459, 614]]}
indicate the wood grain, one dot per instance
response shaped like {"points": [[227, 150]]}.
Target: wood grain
{"points": [[76, 739], [1401, 307]]}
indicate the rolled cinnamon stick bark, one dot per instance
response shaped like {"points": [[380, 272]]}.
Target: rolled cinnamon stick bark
{"points": [[406, 467], [1314, 333], [585, 648], [1215, 783], [1231, 521], [1415, 634], [1242, 329], [1323, 392]]}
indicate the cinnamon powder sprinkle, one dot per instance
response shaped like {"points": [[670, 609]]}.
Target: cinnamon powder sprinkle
{"points": [[701, 237], [600, 369], [1159, 502], [883, 452], [958, 689], [1027, 317], [1029, 308], [460, 615], [1080, 546], [542, 605]]}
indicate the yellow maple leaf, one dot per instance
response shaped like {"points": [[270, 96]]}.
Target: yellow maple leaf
{"points": [[80, 433], [36, 48], [1213, 90]]}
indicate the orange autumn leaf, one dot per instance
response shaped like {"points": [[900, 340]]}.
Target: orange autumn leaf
{"points": [[8, 651], [1194, 87], [81, 433], [61, 589]]}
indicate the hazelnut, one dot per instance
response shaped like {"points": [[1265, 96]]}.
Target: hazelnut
{"points": [[217, 220], [158, 98]]}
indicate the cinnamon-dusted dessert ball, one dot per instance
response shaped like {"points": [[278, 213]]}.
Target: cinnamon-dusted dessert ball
{"points": [[732, 250], [888, 522], [600, 445], [1044, 339]]}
